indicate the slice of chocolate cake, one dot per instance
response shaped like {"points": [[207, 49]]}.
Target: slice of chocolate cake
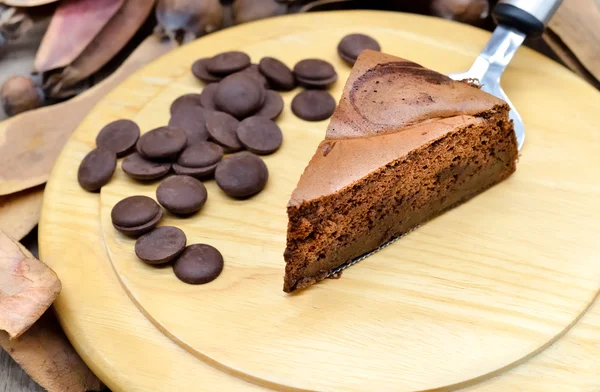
{"points": [[404, 145]]}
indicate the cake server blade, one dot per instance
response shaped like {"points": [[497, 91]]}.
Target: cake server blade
{"points": [[516, 19]]}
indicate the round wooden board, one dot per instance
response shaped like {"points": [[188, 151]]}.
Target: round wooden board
{"points": [[161, 82]]}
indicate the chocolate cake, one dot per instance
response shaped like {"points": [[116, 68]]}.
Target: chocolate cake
{"points": [[404, 145]]}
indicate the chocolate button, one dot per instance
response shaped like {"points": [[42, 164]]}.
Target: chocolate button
{"points": [[313, 105], [208, 96], [260, 135], [198, 264], [200, 72], [317, 83], [191, 120], [201, 155], [278, 74], [181, 195], [161, 245], [185, 101], [239, 95], [228, 62], [223, 130], [314, 69], [136, 215], [163, 142], [138, 168], [242, 175], [96, 169], [273, 105], [255, 74], [134, 211], [119, 137], [352, 45], [201, 173]]}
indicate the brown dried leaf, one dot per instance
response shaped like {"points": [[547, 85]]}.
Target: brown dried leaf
{"points": [[27, 3], [44, 352], [20, 212], [27, 287], [113, 37], [74, 25], [31, 142]]}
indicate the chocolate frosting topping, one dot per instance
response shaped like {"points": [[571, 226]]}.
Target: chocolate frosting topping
{"points": [[389, 107], [384, 93]]}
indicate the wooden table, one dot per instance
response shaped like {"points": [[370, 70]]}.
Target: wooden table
{"points": [[113, 312]]}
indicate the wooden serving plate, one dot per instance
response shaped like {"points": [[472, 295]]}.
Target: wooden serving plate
{"points": [[475, 292]]}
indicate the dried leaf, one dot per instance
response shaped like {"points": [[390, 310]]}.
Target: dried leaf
{"points": [[27, 287], [20, 212], [74, 25], [27, 3], [113, 37], [44, 352], [31, 142]]}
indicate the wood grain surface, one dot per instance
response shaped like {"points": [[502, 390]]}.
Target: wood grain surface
{"points": [[61, 217]]}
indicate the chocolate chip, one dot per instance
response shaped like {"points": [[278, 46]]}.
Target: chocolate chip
{"points": [[223, 130], [314, 69], [239, 95], [273, 105], [242, 175], [161, 245], [200, 72], [255, 74], [317, 83], [198, 264], [96, 169], [185, 101], [352, 45], [138, 168], [136, 215], [119, 137], [191, 120], [278, 74], [163, 143], [228, 62], [201, 173], [313, 105], [208, 96], [260, 135], [181, 195], [201, 155]]}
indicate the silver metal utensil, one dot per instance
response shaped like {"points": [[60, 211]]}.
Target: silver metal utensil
{"points": [[516, 20]]}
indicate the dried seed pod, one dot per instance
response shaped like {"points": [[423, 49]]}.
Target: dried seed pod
{"points": [[186, 20], [466, 11], [249, 10], [19, 94]]}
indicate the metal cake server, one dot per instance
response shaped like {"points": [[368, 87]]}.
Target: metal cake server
{"points": [[516, 19]]}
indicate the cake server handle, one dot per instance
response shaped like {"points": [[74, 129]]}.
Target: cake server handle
{"points": [[527, 16]]}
